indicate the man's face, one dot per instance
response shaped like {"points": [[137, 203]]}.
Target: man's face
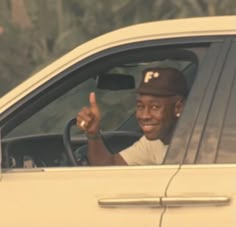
{"points": [[156, 116]]}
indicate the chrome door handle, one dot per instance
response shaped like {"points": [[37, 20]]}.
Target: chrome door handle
{"points": [[195, 201], [172, 201], [124, 202]]}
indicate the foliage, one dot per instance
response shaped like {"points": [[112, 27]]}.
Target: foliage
{"points": [[35, 32]]}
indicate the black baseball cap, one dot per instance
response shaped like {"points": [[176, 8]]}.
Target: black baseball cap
{"points": [[163, 82]]}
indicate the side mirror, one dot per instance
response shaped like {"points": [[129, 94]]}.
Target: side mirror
{"points": [[115, 81]]}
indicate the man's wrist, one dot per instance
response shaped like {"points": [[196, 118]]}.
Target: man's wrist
{"points": [[95, 136]]}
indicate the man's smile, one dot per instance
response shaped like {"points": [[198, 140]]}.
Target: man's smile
{"points": [[148, 127]]}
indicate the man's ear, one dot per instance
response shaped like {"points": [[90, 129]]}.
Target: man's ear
{"points": [[179, 106]]}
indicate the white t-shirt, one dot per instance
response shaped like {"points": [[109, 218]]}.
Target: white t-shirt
{"points": [[144, 152]]}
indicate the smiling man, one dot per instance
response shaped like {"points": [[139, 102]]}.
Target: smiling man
{"points": [[160, 101]]}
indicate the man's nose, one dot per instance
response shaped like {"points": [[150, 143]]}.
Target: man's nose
{"points": [[146, 113]]}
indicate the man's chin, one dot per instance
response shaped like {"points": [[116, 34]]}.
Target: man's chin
{"points": [[151, 137]]}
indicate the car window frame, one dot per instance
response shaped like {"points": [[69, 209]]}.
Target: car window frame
{"points": [[192, 123], [62, 76], [41, 92], [209, 147]]}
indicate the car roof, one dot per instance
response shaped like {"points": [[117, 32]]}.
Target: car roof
{"points": [[188, 27]]}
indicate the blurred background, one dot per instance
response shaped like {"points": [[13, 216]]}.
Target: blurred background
{"points": [[35, 32]]}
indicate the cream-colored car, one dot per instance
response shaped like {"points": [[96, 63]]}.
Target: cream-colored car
{"points": [[45, 178]]}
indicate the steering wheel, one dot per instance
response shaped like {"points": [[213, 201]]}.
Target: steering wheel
{"points": [[75, 161], [115, 142]]}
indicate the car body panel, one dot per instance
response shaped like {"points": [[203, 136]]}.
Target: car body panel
{"points": [[208, 181], [69, 196]]}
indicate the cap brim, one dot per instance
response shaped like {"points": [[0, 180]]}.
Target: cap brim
{"points": [[154, 92]]}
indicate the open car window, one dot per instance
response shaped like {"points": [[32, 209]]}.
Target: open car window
{"points": [[117, 105], [41, 132]]}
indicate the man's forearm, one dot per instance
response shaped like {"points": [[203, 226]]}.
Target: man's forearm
{"points": [[98, 154]]}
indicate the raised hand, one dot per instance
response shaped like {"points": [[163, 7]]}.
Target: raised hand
{"points": [[88, 119]]}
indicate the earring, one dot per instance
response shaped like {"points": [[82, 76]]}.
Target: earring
{"points": [[178, 115]]}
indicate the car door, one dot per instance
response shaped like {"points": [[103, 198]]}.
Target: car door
{"points": [[96, 196], [203, 191]]}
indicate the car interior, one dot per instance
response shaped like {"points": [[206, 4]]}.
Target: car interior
{"points": [[115, 82]]}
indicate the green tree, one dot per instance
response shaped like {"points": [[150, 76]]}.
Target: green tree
{"points": [[35, 32]]}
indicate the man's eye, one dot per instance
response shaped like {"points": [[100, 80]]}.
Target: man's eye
{"points": [[139, 107], [155, 107]]}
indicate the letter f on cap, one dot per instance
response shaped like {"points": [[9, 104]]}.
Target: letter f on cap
{"points": [[149, 75]]}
